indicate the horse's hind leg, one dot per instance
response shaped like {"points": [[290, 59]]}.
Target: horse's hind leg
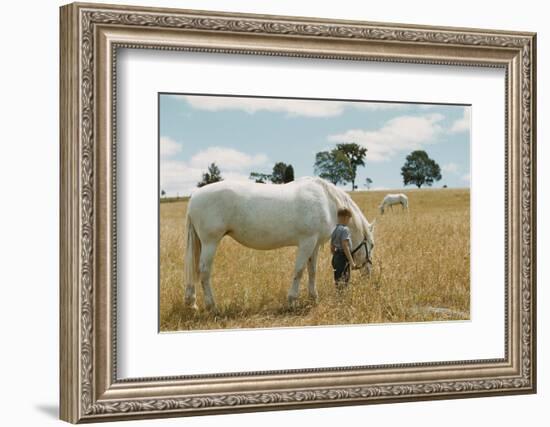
{"points": [[190, 296], [312, 270], [206, 260], [305, 250]]}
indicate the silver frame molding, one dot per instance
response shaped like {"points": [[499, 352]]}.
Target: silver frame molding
{"points": [[90, 37]]}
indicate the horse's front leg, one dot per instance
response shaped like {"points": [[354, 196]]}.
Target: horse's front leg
{"points": [[312, 271], [305, 249]]}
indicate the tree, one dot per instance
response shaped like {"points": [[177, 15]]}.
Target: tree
{"points": [[162, 193], [278, 174], [333, 166], [420, 170], [282, 173], [356, 156], [368, 183], [289, 174], [260, 178], [212, 175]]}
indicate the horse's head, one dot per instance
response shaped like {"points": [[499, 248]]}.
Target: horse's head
{"points": [[362, 252]]}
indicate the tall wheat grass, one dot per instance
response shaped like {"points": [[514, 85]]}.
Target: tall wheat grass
{"points": [[421, 272]]}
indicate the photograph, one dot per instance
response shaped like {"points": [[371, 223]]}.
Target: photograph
{"points": [[293, 212]]}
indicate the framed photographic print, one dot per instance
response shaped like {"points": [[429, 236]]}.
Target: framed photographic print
{"points": [[267, 212]]}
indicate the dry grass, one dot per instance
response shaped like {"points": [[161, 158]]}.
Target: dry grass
{"points": [[421, 272]]}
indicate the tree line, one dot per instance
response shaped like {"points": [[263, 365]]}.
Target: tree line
{"points": [[339, 166], [281, 174]]}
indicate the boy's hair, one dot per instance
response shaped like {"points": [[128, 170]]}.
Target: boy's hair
{"points": [[344, 212]]}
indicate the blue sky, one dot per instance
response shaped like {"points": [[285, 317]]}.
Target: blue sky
{"points": [[243, 134]]}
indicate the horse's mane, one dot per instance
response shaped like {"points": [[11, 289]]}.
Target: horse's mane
{"points": [[342, 200]]}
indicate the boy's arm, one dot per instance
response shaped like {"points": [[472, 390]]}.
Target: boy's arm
{"points": [[347, 251]]}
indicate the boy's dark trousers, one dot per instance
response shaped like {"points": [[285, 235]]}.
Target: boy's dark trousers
{"points": [[341, 268]]}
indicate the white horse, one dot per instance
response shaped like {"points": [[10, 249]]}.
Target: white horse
{"points": [[301, 213], [394, 199]]}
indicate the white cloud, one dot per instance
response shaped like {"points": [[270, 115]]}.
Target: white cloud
{"points": [[293, 107], [227, 158], [181, 177], [462, 124], [236, 176], [252, 105], [377, 106], [169, 147], [466, 177], [450, 168], [177, 177], [398, 134]]}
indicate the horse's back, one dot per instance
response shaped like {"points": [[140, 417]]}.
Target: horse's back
{"points": [[261, 215], [396, 196]]}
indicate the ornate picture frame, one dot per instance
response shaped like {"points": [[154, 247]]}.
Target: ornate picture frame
{"points": [[90, 37]]}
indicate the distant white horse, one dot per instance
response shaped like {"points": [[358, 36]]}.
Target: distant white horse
{"points": [[301, 213], [394, 199]]}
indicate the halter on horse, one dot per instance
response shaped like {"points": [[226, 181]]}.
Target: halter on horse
{"points": [[368, 256]]}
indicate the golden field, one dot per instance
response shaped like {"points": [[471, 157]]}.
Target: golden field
{"points": [[421, 271]]}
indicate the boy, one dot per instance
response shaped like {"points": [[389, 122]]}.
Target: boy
{"points": [[340, 246]]}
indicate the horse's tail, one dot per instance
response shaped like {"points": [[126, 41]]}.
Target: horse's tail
{"points": [[192, 254]]}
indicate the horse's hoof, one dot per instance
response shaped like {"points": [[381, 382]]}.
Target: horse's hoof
{"points": [[212, 309], [292, 301], [191, 305], [314, 299]]}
